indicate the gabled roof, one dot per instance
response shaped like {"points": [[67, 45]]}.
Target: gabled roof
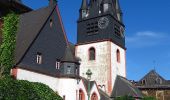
{"points": [[30, 25], [103, 95], [151, 78], [123, 87]]}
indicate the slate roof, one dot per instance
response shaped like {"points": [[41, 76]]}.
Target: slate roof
{"points": [[14, 5], [151, 77], [86, 83], [68, 56], [103, 95], [106, 1], [30, 25], [153, 80], [123, 87]]}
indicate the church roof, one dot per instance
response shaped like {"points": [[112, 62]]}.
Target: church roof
{"points": [[14, 5], [153, 80], [123, 87], [68, 56], [30, 25], [103, 95]]}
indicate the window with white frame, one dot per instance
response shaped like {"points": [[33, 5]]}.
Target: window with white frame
{"points": [[57, 64], [39, 58]]}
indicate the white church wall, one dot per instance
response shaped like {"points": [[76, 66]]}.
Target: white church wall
{"points": [[52, 82], [100, 66], [117, 68], [70, 88], [67, 87]]}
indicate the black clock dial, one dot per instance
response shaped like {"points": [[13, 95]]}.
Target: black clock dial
{"points": [[103, 22]]}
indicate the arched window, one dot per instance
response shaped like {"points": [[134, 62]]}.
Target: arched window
{"points": [[94, 96], [118, 55], [81, 95], [92, 54]]}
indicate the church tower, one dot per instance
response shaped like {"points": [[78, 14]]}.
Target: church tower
{"points": [[101, 42]]}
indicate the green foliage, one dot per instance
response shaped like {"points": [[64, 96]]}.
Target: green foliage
{"points": [[125, 98], [23, 90], [149, 98], [8, 44]]}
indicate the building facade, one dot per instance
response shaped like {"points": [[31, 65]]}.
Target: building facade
{"points": [[101, 41], [44, 54], [152, 84]]}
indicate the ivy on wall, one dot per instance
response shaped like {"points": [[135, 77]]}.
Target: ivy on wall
{"points": [[8, 44]]}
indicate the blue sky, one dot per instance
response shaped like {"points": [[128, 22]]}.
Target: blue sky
{"points": [[147, 32]]}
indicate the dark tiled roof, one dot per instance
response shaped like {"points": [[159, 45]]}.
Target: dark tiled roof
{"points": [[72, 47], [153, 80], [103, 95], [29, 27], [86, 82], [68, 56], [14, 5], [123, 87], [106, 1], [157, 87]]}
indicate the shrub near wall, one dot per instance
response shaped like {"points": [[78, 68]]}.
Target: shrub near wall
{"points": [[8, 44], [23, 90]]}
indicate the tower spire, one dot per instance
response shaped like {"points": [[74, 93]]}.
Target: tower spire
{"points": [[118, 11], [83, 9], [84, 5]]}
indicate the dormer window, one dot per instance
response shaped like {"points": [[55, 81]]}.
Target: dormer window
{"points": [[39, 58], [58, 64], [51, 22]]}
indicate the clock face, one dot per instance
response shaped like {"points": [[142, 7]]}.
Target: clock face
{"points": [[103, 22]]}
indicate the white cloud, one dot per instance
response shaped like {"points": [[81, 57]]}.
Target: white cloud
{"points": [[147, 38], [149, 34]]}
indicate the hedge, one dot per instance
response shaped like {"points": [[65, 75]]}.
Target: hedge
{"points": [[23, 90], [9, 30]]}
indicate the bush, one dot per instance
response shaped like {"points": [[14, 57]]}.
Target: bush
{"points": [[9, 30], [23, 90], [149, 98], [125, 98]]}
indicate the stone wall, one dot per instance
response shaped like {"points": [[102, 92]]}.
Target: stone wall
{"points": [[158, 94]]}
